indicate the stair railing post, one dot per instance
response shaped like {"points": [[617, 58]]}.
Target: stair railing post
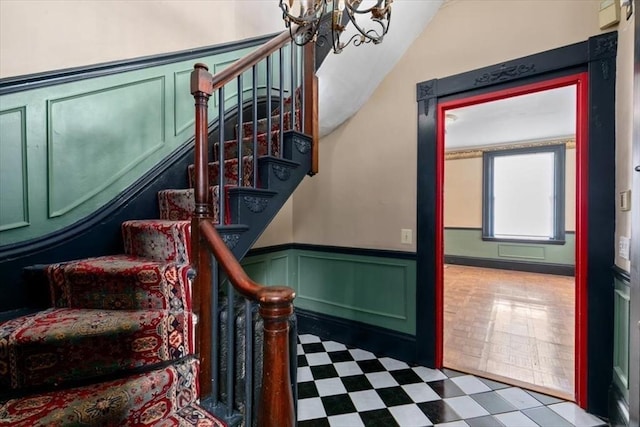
{"points": [[311, 124], [276, 407], [201, 89]]}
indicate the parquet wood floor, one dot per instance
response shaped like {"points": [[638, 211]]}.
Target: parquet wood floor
{"points": [[512, 326]]}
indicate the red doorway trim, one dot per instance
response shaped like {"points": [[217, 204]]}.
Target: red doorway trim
{"points": [[582, 176]]}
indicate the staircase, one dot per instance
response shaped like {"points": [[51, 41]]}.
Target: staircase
{"points": [[157, 335]]}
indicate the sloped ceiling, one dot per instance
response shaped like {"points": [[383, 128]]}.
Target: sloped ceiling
{"points": [[348, 79]]}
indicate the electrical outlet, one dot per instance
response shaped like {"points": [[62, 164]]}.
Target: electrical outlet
{"points": [[625, 200], [406, 236], [623, 247]]}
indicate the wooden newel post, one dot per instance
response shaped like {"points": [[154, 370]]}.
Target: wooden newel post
{"points": [[276, 400], [201, 89]]}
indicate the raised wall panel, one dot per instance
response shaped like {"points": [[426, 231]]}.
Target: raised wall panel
{"points": [[378, 292], [183, 112], [257, 269], [467, 242], [621, 323], [375, 290], [279, 270], [14, 205], [528, 252], [89, 133], [230, 89]]}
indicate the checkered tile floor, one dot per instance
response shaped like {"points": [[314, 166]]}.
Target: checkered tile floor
{"points": [[345, 386]]}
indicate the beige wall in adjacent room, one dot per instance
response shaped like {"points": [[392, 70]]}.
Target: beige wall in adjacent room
{"points": [[463, 192], [366, 189], [44, 35], [624, 128]]}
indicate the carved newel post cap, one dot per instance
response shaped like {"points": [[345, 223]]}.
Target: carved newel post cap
{"points": [[201, 65]]}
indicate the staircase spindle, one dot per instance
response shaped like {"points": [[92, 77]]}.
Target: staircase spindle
{"points": [[248, 360], [239, 137], [221, 172], [269, 88], [294, 72], [215, 329], [230, 338], [303, 89], [281, 100], [254, 93]]}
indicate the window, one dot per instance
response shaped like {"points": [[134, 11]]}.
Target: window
{"points": [[523, 194]]}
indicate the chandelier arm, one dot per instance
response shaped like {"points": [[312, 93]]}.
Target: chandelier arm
{"points": [[348, 5], [378, 37]]}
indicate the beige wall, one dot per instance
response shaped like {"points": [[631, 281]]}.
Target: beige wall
{"points": [[42, 35], [463, 192], [366, 189], [624, 127]]}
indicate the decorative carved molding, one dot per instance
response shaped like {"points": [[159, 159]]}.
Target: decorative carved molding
{"points": [[302, 145], [255, 204], [505, 72], [283, 173], [231, 240], [605, 46], [477, 152], [425, 90]]}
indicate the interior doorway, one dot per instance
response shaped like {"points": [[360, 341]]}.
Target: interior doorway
{"points": [[516, 315]]}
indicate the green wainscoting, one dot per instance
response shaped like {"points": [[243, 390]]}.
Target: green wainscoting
{"points": [[68, 149], [374, 290], [467, 242], [621, 331]]}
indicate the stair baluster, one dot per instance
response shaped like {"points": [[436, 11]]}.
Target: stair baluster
{"points": [[275, 304]]}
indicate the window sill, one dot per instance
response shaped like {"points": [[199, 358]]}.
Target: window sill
{"points": [[528, 241]]}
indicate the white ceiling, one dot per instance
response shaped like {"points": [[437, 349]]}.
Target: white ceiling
{"points": [[536, 116], [347, 80]]}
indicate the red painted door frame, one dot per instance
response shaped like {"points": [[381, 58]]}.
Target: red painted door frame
{"points": [[582, 175]]}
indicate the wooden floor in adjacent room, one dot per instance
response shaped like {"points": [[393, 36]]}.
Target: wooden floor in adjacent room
{"points": [[511, 325]]}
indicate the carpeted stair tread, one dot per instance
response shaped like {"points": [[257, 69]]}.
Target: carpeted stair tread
{"points": [[64, 344], [231, 146], [230, 172], [192, 415], [119, 282], [161, 397], [158, 239], [179, 204], [261, 124]]}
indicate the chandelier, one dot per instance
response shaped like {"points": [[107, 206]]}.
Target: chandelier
{"points": [[308, 14]]}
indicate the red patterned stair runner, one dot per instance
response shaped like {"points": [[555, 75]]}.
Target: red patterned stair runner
{"points": [[121, 313]]}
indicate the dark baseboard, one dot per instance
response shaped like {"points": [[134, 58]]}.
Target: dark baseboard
{"points": [[531, 267], [380, 341], [383, 253]]}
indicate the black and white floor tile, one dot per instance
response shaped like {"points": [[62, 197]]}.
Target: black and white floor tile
{"points": [[348, 387]]}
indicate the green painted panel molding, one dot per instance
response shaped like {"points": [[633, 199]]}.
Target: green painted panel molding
{"points": [[467, 242], [68, 149], [370, 289], [621, 330]]}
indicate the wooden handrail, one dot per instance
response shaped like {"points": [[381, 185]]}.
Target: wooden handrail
{"points": [[248, 61], [243, 283], [275, 407]]}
